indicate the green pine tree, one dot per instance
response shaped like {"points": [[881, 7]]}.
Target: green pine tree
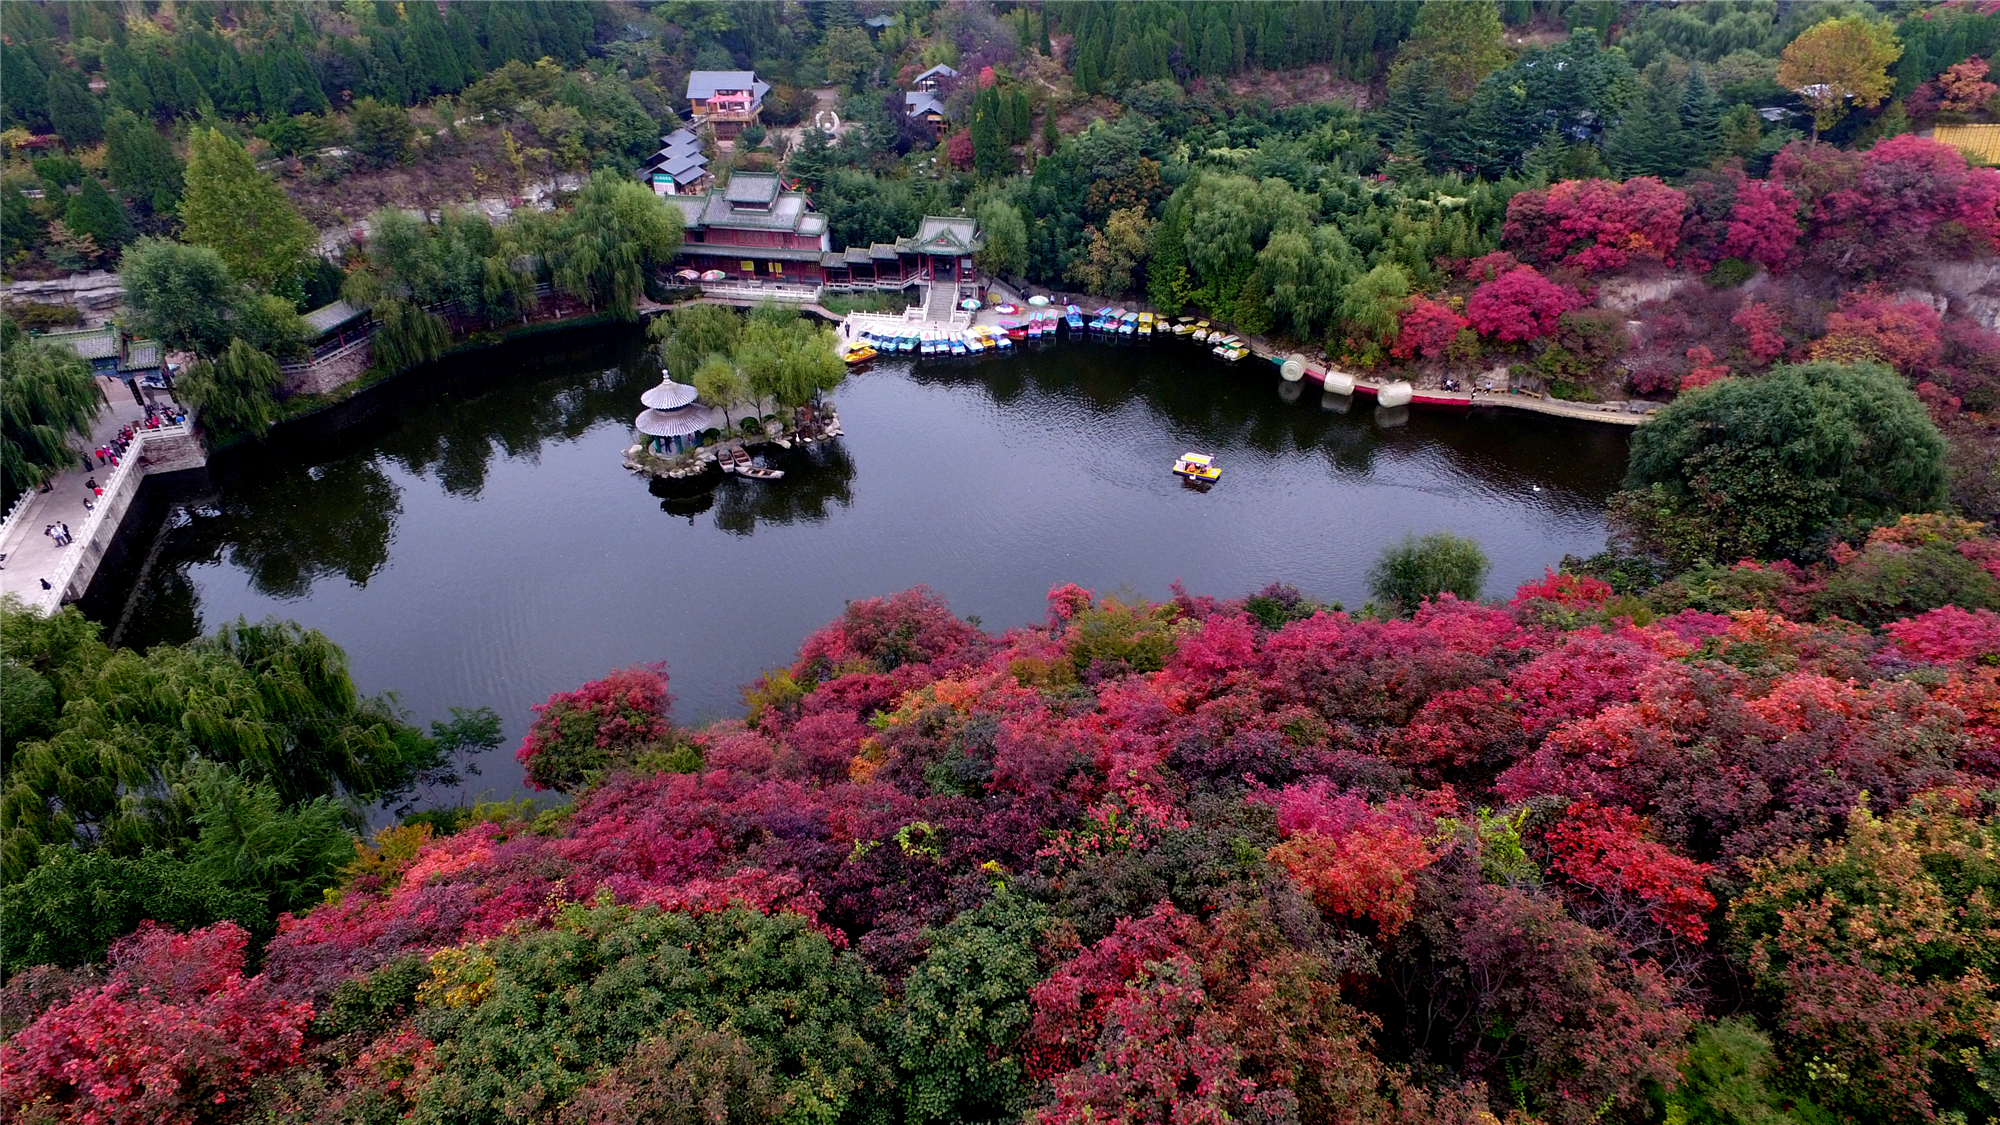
{"points": [[1649, 141], [1701, 118], [1085, 67], [1252, 311], [989, 141], [92, 211], [73, 111], [1167, 281], [141, 163]]}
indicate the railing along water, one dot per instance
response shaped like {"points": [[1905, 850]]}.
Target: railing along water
{"points": [[72, 560]]}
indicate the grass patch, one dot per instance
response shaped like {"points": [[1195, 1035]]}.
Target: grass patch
{"points": [[840, 304]]}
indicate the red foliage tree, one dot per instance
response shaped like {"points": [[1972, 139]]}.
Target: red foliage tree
{"points": [[914, 627], [1949, 634], [594, 726], [1563, 589], [1171, 1019], [1486, 267], [1761, 326], [1350, 857], [1580, 675], [177, 1032], [1550, 1007], [958, 149], [1606, 850], [1428, 328], [1872, 210], [1706, 370], [1963, 87], [1596, 225], [1520, 305], [1906, 335], [1763, 226]]}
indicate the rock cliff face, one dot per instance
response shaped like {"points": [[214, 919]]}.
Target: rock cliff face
{"points": [[1972, 288], [1626, 294]]}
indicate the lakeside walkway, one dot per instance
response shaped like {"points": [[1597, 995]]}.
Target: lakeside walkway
{"points": [[27, 556], [43, 573]]}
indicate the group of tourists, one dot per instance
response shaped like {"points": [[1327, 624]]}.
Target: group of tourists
{"points": [[59, 532], [110, 452]]}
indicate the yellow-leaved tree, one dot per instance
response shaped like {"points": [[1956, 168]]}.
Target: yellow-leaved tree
{"points": [[1838, 62]]}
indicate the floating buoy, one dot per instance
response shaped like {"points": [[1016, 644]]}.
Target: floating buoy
{"points": [[1395, 393], [1293, 369], [1339, 382]]}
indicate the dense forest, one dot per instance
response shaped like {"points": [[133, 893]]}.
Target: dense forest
{"points": [[1701, 829]]}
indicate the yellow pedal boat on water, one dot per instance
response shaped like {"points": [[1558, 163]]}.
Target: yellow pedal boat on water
{"points": [[1197, 467], [858, 354]]}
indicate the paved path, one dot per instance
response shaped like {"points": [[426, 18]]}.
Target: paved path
{"points": [[30, 555]]}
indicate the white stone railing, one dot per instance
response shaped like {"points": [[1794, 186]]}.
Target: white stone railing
{"points": [[760, 291], [15, 513], [122, 477]]}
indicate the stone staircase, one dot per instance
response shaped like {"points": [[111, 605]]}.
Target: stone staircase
{"points": [[941, 302]]}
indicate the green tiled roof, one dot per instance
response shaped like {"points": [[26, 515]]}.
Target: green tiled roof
{"points": [[944, 235]]}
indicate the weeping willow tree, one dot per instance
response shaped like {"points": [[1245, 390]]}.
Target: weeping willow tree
{"points": [[220, 778], [235, 393], [406, 335], [46, 398], [617, 231]]}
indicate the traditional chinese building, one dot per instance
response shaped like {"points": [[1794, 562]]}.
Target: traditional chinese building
{"points": [[754, 229], [679, 168], [726, 99]]}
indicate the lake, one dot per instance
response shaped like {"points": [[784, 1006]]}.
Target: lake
{"points": [[467, 533]]}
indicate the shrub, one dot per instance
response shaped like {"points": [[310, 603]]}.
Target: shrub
{"points": [[1596, 225], [599, 725], [177, 1035], [1730, 273], [1427, 327], [1765, 468], [1420, 568], [1520, 305]]}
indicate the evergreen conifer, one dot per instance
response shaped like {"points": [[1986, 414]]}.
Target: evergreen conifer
{"points": [[92, 211]]}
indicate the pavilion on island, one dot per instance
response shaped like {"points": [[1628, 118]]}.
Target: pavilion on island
{"points": [[672, 418]]}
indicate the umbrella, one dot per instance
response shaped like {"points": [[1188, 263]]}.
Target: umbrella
{"points": [[713, 275], [669, 395], [1005, 309], [1038, 300], [969, 303], [688, 275]]}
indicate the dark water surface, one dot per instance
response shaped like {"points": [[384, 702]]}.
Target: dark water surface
{"points": [[467, 534]]}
